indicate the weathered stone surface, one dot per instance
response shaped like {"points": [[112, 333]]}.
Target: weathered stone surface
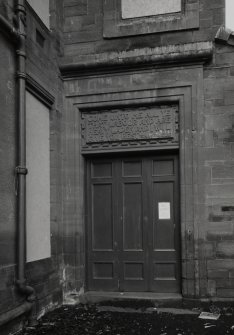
{"points": [[158, 55], [207, 250], [149, 62], [225, 249]]}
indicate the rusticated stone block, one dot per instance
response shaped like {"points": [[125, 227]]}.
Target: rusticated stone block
{"points": [[225, 292], [214, 274], [208, 250], [80, 9], [211, 288], [229, 96], [223, 171], [225, 249], [219, 264]]}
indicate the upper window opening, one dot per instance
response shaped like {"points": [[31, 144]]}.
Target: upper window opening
{"points": [[41, 7], [229, 14], [141, 8]]}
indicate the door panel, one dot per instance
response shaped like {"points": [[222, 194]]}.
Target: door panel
{"points": [[102, 220], [132, 168], [133, 232], [132, 216], [102, 261], [101, 169], [165, 254], [164, 167]]}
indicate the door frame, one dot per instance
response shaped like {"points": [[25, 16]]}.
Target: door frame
{"points": [[177, 206], [188, 93]]}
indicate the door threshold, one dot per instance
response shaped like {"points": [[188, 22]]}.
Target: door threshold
{"points": [[161, 298]]}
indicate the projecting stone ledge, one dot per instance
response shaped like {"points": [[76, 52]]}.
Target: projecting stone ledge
{"points": [[171, 54]]}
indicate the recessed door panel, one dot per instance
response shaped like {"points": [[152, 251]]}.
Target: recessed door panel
{"points": [[132, 168], [164, 167], [101, 169], [102, 217]]}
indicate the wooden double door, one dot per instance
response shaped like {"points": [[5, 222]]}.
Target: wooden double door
{"points": [[133, 234]]}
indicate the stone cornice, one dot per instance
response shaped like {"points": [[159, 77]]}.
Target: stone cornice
{"points": [[225, 36], [165, 55], [39, 91]]}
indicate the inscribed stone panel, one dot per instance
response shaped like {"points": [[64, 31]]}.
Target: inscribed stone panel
{"points": [[130, 126]]}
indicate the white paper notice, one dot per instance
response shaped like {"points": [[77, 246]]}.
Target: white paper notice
{"points": [[164, 210]]}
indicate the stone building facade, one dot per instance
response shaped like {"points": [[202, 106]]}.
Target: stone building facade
{"points": [[137, 186]]}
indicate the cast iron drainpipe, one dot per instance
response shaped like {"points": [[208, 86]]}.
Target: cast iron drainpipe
{"points": [[20, 37]]}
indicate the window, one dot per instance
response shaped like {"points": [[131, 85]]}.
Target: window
{"points": [[137, 17], [41, 7], [140, 8], [229, 14], [38, 179]]}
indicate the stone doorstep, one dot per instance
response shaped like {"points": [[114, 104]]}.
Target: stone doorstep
{"points": [[155, 298], [146, 302], [139, 298], [147, 298], [123, 302], [149, 310]]}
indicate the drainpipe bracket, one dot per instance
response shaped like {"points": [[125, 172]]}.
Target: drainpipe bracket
{"points": [[23, 76], [26, 290], [21, 170], [21, 53]]}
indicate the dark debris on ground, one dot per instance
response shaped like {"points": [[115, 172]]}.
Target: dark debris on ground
{"points": [[144, 320]]}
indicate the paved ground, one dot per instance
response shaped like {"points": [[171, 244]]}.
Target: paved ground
{"points": [[127, 319]]}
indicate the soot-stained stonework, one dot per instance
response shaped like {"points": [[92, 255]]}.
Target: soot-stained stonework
{"points": [[98, 73]]}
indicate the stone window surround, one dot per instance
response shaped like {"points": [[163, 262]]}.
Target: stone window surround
{"points": [[114, 26]]}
